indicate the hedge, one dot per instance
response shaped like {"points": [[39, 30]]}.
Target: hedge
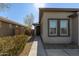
{"points": [[11, 46]]}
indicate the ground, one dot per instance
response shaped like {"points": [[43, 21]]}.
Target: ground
{"points": [[27, 48], [37, 48], [56, 50], [52, 50], [62, 50]]}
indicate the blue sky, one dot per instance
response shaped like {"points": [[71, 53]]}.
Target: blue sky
{"points": [[18, 11]]}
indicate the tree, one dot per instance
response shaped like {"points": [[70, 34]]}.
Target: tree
{"points": [[28, 20], [4, 6]]}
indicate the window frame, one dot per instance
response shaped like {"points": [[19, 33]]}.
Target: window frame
{"points": [[58, 28]]}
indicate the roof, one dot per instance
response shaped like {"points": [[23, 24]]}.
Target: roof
{"points": [[41, 10], [5, 19], [35, 24], [60, 9]]}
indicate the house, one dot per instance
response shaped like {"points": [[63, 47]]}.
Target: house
{"points": [[37, 29], [59, 25], [8, 27]]}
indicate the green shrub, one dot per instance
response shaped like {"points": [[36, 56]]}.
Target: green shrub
{"points": [[12, 45]]}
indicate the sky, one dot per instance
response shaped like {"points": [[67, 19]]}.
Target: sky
{"points": [[18, 11]]}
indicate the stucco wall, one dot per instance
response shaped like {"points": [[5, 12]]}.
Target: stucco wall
{"points": [[44, 27], [75, 29]]}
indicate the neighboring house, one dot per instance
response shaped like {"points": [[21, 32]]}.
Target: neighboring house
{"points": [[36, 29], [8, 27], [59, 25]]}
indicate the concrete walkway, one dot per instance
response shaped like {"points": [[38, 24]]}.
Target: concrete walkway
{"points": [[62, 49], [37, 48], [33, 51], [62, 52], [40, 50]]}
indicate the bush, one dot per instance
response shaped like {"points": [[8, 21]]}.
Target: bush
{"points": [[28, 31], [12, 45]]}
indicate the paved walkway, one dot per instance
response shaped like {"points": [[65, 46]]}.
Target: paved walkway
{"points": [[33, 50], [37, 48], [62, 49], [40, 48], [54, 50], [62, 52]]}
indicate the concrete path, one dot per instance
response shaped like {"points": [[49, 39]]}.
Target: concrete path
{"points": [[37, 48], [55, 52], [40, 48], [62, 49], [33, 50], [62, 52]]}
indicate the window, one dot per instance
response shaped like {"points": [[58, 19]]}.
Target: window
{"points": [[63, 27], [53, 27], [58, 27]]}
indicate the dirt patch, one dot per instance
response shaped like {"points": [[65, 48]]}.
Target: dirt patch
{"points": [[27, 48]]}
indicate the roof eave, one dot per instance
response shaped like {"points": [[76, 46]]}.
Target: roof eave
{"points": [[41, 10]]}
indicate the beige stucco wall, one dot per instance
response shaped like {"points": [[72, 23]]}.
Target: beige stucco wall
{"points": [[74, 29], [78, 27], [44, 27]]}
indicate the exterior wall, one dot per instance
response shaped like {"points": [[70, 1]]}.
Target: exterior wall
{"points": [[74, 29], [78, 27], [8, 27], [19, 30], [44, 27], [22, 31], [5, 29]]}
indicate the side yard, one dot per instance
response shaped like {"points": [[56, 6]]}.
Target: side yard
{"points": [[27, 47], [16, 45], [12, 46]]}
